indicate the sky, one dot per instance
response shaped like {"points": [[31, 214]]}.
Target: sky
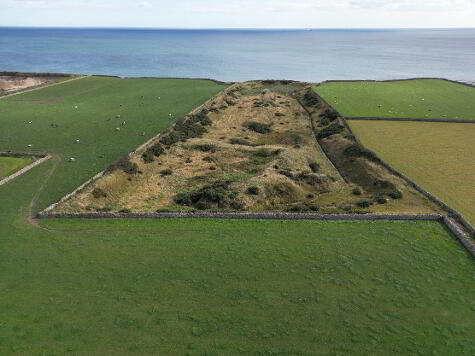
{"points": [[239, 13]]}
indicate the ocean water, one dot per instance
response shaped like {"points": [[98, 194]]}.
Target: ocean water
{"points": [[236, 55]]}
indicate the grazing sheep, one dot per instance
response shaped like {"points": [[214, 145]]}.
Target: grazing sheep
{"points": [[117, 128], [72, 159]]}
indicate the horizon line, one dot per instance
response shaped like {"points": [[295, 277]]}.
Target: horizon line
{"points": [[242, 28]]}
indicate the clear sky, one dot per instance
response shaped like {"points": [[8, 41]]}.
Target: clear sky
{"points": [[239, 13]]}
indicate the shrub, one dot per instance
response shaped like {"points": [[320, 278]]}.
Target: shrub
{"points": [[333, 129], [309, 178], [253, 190], [206, 147], [324, 122], [266, 152], [125, 211], [215, 195], [363, 203], [148, 156], [311, 98], [395, 194], [287, 173], [305, 207], [209, 159], [243, 142], [99, 193], [356, 150], [131, 168], [185, 129], [356, 191], [166, 172], [329, 114], [201, 118], [315, 167], [279, 114], [381, 199], [259, 127]]}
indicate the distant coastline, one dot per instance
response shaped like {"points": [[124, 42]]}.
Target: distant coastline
{"points": [[242, 54]]}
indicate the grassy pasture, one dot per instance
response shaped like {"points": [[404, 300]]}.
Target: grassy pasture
{"points": [[231, 287], [424, 98], [86, 110], [206, 287], [437, 156], [9, 165]]}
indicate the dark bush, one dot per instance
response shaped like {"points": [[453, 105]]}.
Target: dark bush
{"points": [[131, 168], [309, 178], [185, 129], [266, 152], [148, 156], [324, 122], [357, 191], [157, 149], [356, 150], [305, 207], [287, 173], [333, 129], [125, 211], [243, 142], [329, 114], [259, 127], [279, 114], [209, 159], [381, 199], [315, 167], [215, 195], [166, 172], [311, 98], [99, 193], [206, 147], [395, 194], [253, 190], [201, 118], [363, 203]]}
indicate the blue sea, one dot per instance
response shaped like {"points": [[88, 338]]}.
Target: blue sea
{"points": [[237, 55]]}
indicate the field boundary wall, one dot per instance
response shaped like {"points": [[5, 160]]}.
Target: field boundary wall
{"points": [[457, 121], [24, 169]]}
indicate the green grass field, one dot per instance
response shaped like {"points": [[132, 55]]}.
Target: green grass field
{"points": [[437, 156], [424, 98], [9, 165], [204, 286]]}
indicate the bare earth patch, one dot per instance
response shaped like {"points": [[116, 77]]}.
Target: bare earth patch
{"points": [[13, 84], [251, 148]]}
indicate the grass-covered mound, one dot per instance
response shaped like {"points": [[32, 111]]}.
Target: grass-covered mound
{"points": [[424, 99], [254, 148]]}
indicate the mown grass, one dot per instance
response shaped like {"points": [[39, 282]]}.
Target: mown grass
{"points": [[9, 165], [424, 98], [437, 156], [221, 287], [87, 110]]}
